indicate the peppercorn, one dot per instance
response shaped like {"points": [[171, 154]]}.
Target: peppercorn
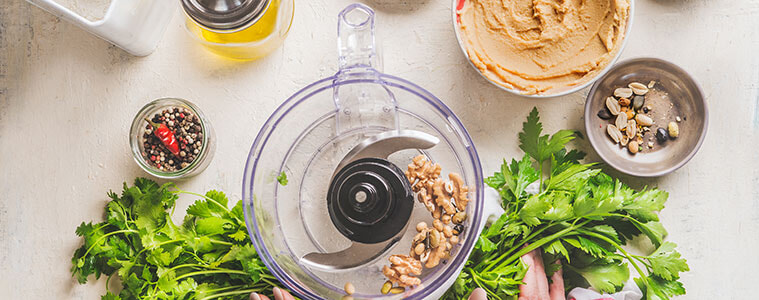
{"points": [[173, 139]]}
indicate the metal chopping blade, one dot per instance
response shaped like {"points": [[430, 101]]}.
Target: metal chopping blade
{"points": [[362, 176]]}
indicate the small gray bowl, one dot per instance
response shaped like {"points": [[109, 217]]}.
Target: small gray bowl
{"points": [[687, 102]]}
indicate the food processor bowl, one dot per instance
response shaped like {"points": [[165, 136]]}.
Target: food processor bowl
{"points": [[354, 133]]}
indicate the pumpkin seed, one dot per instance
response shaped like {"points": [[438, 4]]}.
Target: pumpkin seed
{"points": [[621, 121], [612, 105], [673, 130], [614, 133], [638, 88], [623, 92], [644, 120], [638, 101], [386, 287], [434, 238]]}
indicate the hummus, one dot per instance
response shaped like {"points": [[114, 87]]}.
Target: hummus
{"points": [[542, 46]]}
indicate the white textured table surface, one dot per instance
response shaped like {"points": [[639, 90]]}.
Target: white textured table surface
{"points": [[67, 98]]}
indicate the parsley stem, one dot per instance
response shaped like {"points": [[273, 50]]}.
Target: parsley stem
{"points": [[105, 236], [540, 175], [477, 281], [535, 245], [210, 272], [230, 293]]}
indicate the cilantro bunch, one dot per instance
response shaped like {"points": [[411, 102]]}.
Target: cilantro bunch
{"points": [[578, 216], [208, 256]]}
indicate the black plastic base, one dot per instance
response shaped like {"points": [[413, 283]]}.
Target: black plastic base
{"points": [[370, 200]]}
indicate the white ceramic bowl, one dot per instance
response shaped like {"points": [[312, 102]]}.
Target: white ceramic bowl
{"points": [[557, 92]]}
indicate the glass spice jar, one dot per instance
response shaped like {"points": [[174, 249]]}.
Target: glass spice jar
{"points": [[142, 134], [239, 29]]}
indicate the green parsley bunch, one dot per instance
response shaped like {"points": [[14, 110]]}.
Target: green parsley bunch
{"points": [[208, 256], [578, 216]]}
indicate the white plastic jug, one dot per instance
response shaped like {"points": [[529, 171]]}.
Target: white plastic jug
{"points": [[133, 25]]}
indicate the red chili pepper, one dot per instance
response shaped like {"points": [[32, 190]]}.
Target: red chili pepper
{"points": [[166, 136], [460, 5]]}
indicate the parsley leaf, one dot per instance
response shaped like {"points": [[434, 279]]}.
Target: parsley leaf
{"points": [[282, 178], [579, 215], [208, 254]]}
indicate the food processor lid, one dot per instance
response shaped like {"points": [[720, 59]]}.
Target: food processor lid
{"points": [[225, 14], [369, 199]]}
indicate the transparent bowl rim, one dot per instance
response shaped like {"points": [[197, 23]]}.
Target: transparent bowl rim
{"points": [[303, 95]]}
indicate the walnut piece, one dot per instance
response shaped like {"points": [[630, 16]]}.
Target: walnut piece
{"points": [[422, 175], [459, 191], [446, 201], [442, 198], [401, 269]]}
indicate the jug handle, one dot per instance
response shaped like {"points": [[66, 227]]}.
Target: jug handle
{"points": [[356, 44]]}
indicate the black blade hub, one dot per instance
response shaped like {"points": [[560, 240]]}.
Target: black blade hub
{"points": [[370, 200]]}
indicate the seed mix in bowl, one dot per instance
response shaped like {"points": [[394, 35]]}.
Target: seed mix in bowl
{"points": [[172, 139], [631, 110], [446, 201]]}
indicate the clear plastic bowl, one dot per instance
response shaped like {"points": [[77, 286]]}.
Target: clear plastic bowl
{"points": [[306, 138]]}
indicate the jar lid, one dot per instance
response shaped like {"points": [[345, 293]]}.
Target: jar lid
{"points": [[224, 14]]}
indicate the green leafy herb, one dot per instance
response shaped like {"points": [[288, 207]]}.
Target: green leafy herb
{"points": [[579, 215], [207, 256], [282, 178]]}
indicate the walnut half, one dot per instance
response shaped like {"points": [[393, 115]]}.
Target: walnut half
{"points": [[401, 269]]}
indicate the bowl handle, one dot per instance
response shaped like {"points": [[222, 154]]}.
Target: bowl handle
{"points": [[361, 97], [356, 45]]}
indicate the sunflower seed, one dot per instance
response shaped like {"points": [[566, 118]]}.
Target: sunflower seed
{"points": [[612, 105], [623, 92], [638, 88], [651, 84], [638, 101]]}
